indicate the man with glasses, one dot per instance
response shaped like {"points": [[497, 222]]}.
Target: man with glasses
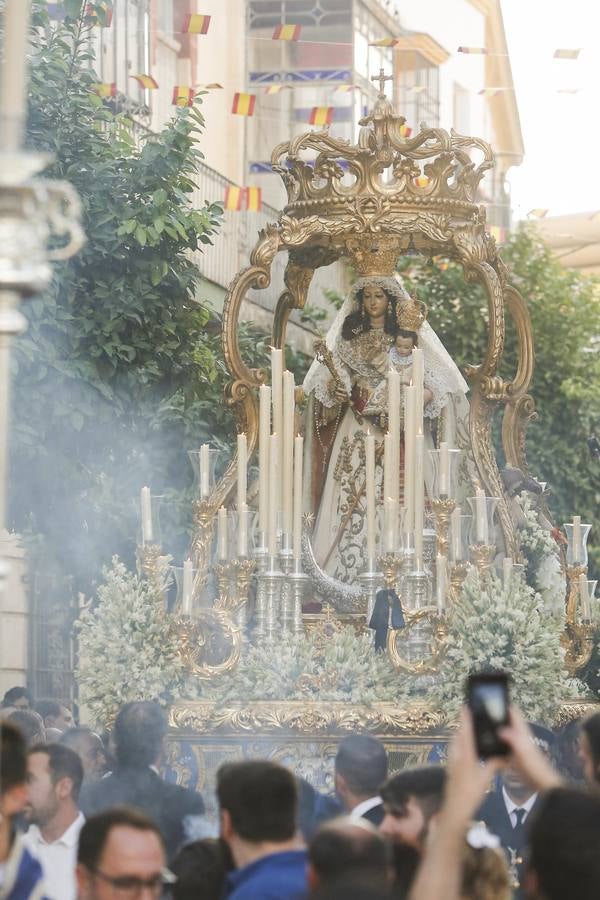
{"points": [[121, 856]]}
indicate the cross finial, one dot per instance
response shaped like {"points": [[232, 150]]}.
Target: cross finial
{"points": [[382, 78]]}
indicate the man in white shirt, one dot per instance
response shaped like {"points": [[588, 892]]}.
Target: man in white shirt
{"points": [[361, 767], [54, 776]]}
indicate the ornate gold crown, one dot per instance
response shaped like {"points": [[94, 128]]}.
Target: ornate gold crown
{"points": [[373, 254], [411, 314]]}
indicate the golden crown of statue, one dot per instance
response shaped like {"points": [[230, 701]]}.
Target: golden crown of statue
{"points": [[411, 314], [422, 186]]}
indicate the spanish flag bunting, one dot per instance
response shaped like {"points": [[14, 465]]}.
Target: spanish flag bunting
{"points": [[473, 50], [146, 81], [104, 20], [421, 181], [195, 24], [106, 89], [405, 131], [233, 197], [182, 96], [561, 53], [321, 115], [253, 199], [243, 104], [385, 42], [287, 32], [345, 88], [276, 88], [538, 213]]}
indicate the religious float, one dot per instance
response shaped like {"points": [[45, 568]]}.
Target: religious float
{"points": [[359, 505]]}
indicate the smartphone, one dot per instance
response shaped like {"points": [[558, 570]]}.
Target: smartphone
{"points": [[487, 697]]}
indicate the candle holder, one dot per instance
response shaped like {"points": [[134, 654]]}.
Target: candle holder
{"points": [[184, 606], [482, 556], [458, 573], [299, 583], [429, 551], [483, 510], [150, 532], [459, 538], [577, 553], [286, 561], [407, 565], [201, 549], [225, 598], [273, 578], [243, 570], [390, 565], [371, 580], [442, 507], [444, 483], [578, 637], [424, 642], [148, 559], [261, 557], [209, 479]]}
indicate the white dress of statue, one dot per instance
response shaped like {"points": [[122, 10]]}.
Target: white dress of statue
{"points": [[365, 339]]}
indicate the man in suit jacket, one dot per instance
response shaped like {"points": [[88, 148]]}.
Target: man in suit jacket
{"points": [[360, 769], [138, 735]]}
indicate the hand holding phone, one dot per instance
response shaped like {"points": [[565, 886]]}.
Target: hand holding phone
{"points": [[487, 698]]}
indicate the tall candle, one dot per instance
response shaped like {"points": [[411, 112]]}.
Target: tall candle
{"points": [[13, 75], [242, 535], [370, 488], [287, 456], [389, 530], [584, 596], [204, 471], [186, 588], [481, 523], [297, 524], [507, 570], [222, 534], [418, 380], [394, 431], [273, 493], [264, 436], [440, 582], [577, 545], [444, 481], [419, 500], [387, 465], [456, 534], [409, 458], [242, 469], [146, 504]]}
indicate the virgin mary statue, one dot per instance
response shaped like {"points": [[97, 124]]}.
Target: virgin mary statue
{"points": [[375, 329]]}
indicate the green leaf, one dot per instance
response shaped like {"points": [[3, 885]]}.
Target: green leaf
{"points": [[159, 197], [140, 235]]}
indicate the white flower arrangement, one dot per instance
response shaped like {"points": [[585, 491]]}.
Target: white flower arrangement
{"points": [[545, 570], [127, 645], [505, 628], [338, 666]]}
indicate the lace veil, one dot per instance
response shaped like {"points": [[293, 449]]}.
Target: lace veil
{"points": [[437, 359]]}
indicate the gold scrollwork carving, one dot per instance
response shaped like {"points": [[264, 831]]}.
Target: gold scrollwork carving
{"points": [[210, 643], [439, 633]]}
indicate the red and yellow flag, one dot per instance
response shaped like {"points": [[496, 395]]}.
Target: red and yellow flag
{"points": [[182, 96], [321, 115], [405, 131], [233, 197], [287, 32], [106, 89], [473, 50], [561, 53], [146, 81], [104, 19], [243, 104], [276, 88], [253, 199], [195, 24]]}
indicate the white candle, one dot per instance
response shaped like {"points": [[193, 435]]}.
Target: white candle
{"points": [[394, 432], [507, 569], [409, 459], [577, 545], [204, 471], [146, 503], [186, 588], [242, 469], [584, 596], [222, 534], [13, 75], [297, 524], [456, 534], [419, 500], [481, 523], [287, 456], [264, 436], [389, 514], [418, 380], [440, 582], [273, 493], [444, 482], [387, 464], [370, 488], [242, 535]]}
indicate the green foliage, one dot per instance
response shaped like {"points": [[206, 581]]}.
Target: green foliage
{"points": [[128, 647], [565, 314], [338, 667], [508, 629]]}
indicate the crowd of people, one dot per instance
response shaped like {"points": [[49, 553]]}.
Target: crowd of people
{"points": [[82, 817]]}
